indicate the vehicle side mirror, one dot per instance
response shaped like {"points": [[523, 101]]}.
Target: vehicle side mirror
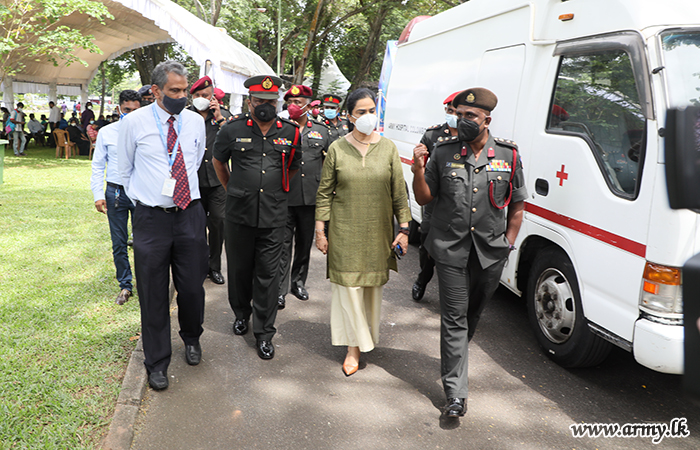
{"points": [[682, 142]]}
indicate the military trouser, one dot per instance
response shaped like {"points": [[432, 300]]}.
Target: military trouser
{"points": [[300, 228], [427, 263], [464, 292], [253, 256]]}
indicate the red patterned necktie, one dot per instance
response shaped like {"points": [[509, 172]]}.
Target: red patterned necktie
{"points": [[181, 196]]}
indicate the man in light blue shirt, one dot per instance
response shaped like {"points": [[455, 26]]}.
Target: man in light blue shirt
{"points": [[113, 201], [159, 151]]}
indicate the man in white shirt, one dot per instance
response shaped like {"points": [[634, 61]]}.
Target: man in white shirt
{"points": [[19, 140], [159, 151], [36, 130], [54, 119], [113, 200]]}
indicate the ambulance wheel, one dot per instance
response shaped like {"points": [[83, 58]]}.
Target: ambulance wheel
{"points": [[555, 313], [413, 232]]}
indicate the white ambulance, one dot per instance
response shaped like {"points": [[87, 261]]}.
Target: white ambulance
{"points": [[583, 87]]}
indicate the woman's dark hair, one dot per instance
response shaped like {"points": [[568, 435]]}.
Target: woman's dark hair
{"points": [[354, 97]]}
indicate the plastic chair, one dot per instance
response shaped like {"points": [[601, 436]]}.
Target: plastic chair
{"points": [[63, 143]]}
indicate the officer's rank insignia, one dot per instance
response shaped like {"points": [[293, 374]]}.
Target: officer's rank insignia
{"points": [[498, 165], [452, 165], [470, 98], [457, 156], [314, 135], [440, 139], [491, 153], [282, 141], [267, 83], [245, 140]]}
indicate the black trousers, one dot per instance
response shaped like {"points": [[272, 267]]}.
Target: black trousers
{"points": [[214, 202], [300, 229], [464, 292], [253, 256], [427, 263], [163, 242]]}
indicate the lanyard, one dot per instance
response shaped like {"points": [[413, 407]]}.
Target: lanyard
{"points": [[173, 155]]}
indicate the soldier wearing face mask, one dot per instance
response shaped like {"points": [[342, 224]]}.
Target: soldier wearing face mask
{"points": [[428, 141], [213, 194], [478, 184], [337, 127], [302, 196], [264, 155]]}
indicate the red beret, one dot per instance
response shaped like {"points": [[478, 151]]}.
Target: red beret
{"points": [[299, 90], [315, 103], [450, 98], [219, 95], [202, 83], [560, 112]]}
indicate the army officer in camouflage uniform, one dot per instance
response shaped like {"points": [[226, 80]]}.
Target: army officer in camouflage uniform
{"points": [[478, 183], [262, 150]]}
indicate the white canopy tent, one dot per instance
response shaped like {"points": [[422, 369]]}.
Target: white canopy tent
{"points": [[332, 79], [139, 23]]}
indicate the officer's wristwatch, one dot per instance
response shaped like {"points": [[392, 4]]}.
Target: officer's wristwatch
{"points": [[405, 230], [511, 247]]}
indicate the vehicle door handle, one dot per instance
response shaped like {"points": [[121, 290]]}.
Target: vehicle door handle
{"points": [[542, 187]]}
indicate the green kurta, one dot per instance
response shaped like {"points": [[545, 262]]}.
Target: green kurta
{"points": [[369, 192]]}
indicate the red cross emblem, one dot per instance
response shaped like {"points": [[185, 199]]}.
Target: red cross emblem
{"points": [[562, 176]]}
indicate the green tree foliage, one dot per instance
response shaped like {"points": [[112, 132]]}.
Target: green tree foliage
{"points": [[31, 31]]}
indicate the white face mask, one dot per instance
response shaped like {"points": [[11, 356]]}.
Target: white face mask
{"points": [[366, 124], [451, 120], [201, 103]]}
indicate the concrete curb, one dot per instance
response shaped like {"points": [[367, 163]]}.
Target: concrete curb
{"points": [[121, 430]]}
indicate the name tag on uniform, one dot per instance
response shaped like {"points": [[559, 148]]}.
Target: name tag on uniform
{"points": [[245, 140], [498, 165], [452, 165], [168, 187], [314, 135]]}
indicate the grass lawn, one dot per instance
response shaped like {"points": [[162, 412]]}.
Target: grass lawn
{"points": [[64, 343]]}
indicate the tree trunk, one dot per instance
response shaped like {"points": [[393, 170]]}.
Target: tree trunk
{"points": [[215, 11], [147, 58], [104, 86], [369, 54], [301, 69], [317, 64]]}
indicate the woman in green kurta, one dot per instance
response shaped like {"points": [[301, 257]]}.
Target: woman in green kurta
{"points": [[362, 189]]}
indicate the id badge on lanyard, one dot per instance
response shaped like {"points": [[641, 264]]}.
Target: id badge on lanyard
{"points": [[169, 183]]}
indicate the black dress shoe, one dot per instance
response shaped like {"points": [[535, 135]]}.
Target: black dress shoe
{"points": [[300, 292], [216, 276], [281, 302], [418, 291], [240, 327], [456, 407], [158, 380], [193, 354], [265, 349]]}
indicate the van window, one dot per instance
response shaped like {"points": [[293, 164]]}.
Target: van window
{"points": [[596, 99]]}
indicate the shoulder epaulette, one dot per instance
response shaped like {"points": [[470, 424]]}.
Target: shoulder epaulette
{"points": [[434, 127], [238, 117], [505, 142], [446, 140], [289, 121]]}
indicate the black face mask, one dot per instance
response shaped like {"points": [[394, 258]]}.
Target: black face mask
{"points": [[174, 105], [468, 130], [265, 112], [145, 103]]}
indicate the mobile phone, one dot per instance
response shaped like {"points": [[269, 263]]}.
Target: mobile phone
{"points": [[398, 251]]}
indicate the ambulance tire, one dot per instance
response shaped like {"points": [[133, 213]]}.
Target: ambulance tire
{"points": [[556, 315]]}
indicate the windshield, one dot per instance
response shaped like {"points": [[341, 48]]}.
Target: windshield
{"points": [[681, 50]]}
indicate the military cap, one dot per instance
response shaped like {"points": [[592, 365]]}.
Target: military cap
{"points": [[331, 100], [145, 90], [219, 95], [451, 97], [477, 98], [200, 84], [266, 87], [298, 90]]}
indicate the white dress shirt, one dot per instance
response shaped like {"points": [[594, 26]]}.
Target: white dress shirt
{"points": [[54, 114], [105, 156], [143, 159], [34, 126]]}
